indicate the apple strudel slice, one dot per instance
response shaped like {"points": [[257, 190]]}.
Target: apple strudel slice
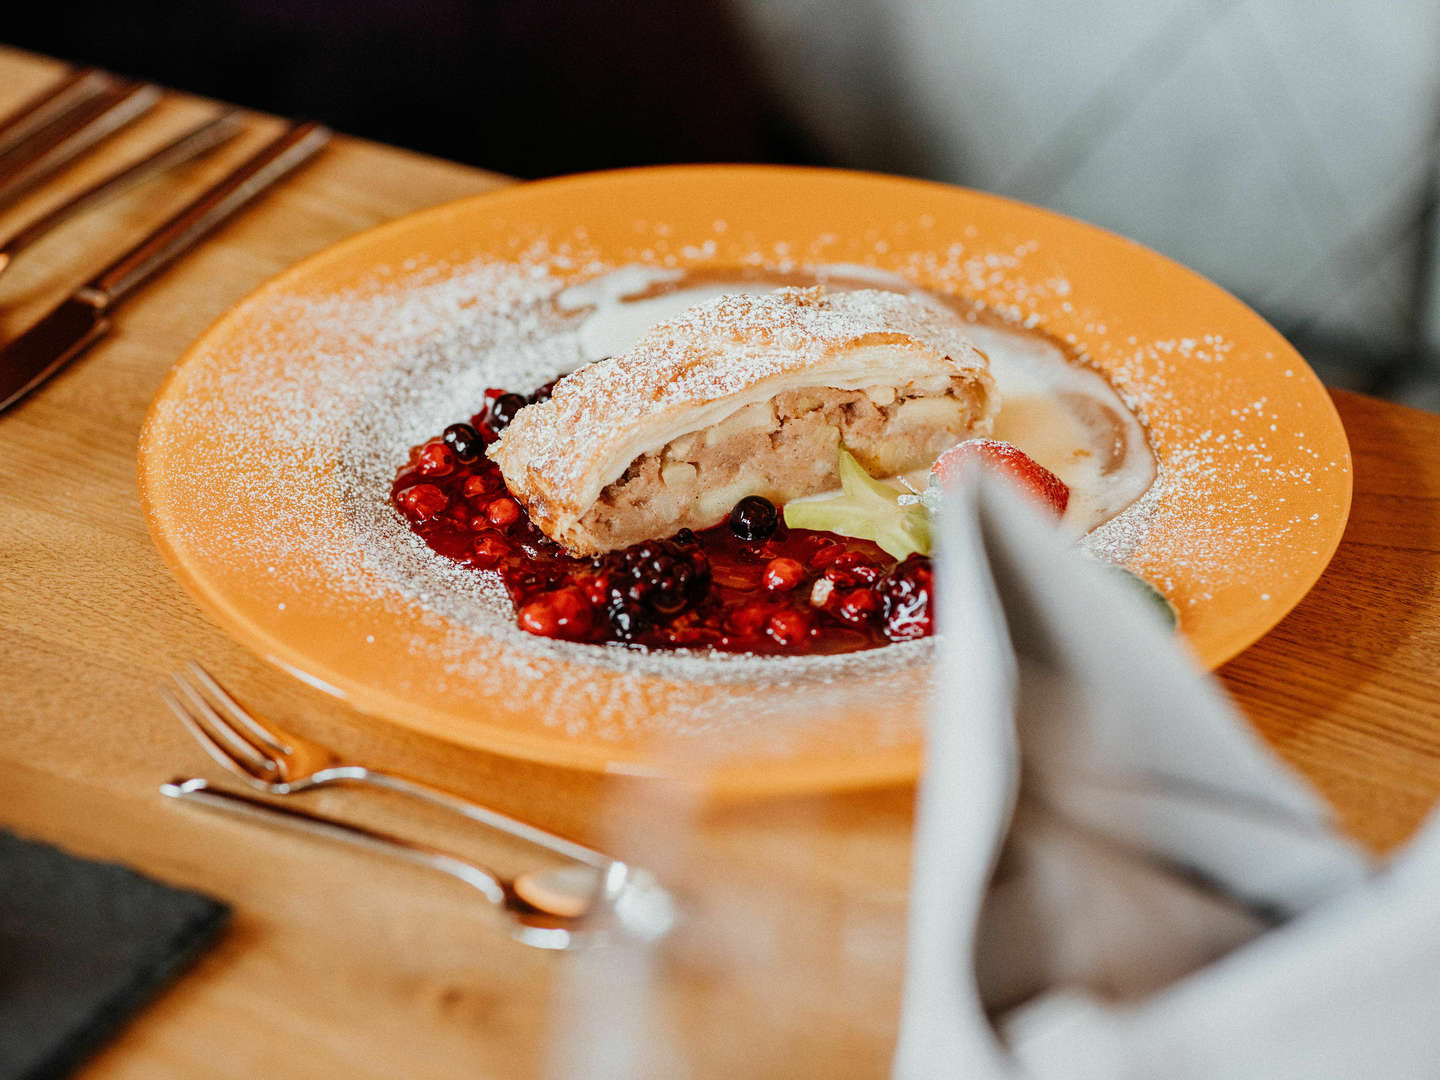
{"points": [[743, 395]]}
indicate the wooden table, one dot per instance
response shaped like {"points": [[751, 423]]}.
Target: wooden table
{"points": [[340, 963]]}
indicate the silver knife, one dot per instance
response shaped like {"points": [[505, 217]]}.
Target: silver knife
{"points": [[83, 318]]}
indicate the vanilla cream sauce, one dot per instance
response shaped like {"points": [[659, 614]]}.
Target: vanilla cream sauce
{"points": [[1060, 412]]}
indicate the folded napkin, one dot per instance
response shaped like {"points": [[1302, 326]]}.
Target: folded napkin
{"points": [[83, 945], [1112, 876]]}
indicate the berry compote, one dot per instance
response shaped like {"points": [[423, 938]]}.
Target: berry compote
{"points": [[747, 585]]}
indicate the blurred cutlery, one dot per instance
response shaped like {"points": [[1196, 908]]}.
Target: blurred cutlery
{"points": [[279, 762], [50, 104], [45, 152], [624, 904], [192, 144], [84, 317]]}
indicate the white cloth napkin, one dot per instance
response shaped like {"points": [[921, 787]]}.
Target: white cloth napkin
{"points": [[1112, 876]]}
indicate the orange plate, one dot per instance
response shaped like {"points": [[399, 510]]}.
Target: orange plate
{"points": [[247, 496]]}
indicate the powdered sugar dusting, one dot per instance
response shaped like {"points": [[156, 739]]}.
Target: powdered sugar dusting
{"points": [[327, 399], [291, 422]]}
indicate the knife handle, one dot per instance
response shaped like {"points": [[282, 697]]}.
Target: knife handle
{"points": [[210, 210]]}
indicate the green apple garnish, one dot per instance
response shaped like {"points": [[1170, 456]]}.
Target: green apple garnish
{"points": [[899, 521], [869, 509]]}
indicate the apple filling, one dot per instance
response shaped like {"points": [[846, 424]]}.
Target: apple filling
{"points": [[782, 449]]}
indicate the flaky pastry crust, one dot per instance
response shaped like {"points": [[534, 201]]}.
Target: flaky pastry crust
{"points": [[610, 457]]}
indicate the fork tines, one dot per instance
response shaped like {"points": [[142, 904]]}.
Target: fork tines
{"points": [[223, 728]]}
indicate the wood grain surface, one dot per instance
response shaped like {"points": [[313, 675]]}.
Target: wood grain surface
{"points": [[342, 964]]}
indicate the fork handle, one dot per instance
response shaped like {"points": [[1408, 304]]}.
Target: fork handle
{"points": [[199, 793], [474, 811]]}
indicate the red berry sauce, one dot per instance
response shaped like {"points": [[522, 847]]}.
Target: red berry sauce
{"points": [[795, 592]]}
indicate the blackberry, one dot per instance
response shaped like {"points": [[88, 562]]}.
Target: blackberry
{"points": [[905, 600], [626, 615], [653, 582]]}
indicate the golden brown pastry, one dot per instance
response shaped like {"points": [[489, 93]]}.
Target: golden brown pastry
{"points": [[743, 395]]}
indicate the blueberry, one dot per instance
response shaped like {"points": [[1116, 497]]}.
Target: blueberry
{"points": [[754, 518], [503, 410], [465, 442]]}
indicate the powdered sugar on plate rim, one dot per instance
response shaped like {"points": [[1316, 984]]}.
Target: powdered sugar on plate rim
{"points": [[388, 362]]}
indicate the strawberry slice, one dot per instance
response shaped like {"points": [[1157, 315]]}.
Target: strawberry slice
{"points": [[1007, 460]]}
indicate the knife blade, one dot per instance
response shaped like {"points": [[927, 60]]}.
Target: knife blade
{"points": [[83, 318], [77, 323]]}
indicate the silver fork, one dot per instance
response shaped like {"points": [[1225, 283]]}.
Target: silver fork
{"points": [[626, 904], [278, 762]]}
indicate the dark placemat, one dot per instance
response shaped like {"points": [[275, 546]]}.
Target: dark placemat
{"points": [[83, 946]]}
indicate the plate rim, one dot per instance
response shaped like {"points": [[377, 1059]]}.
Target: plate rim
{"points": [[885, 767]]}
